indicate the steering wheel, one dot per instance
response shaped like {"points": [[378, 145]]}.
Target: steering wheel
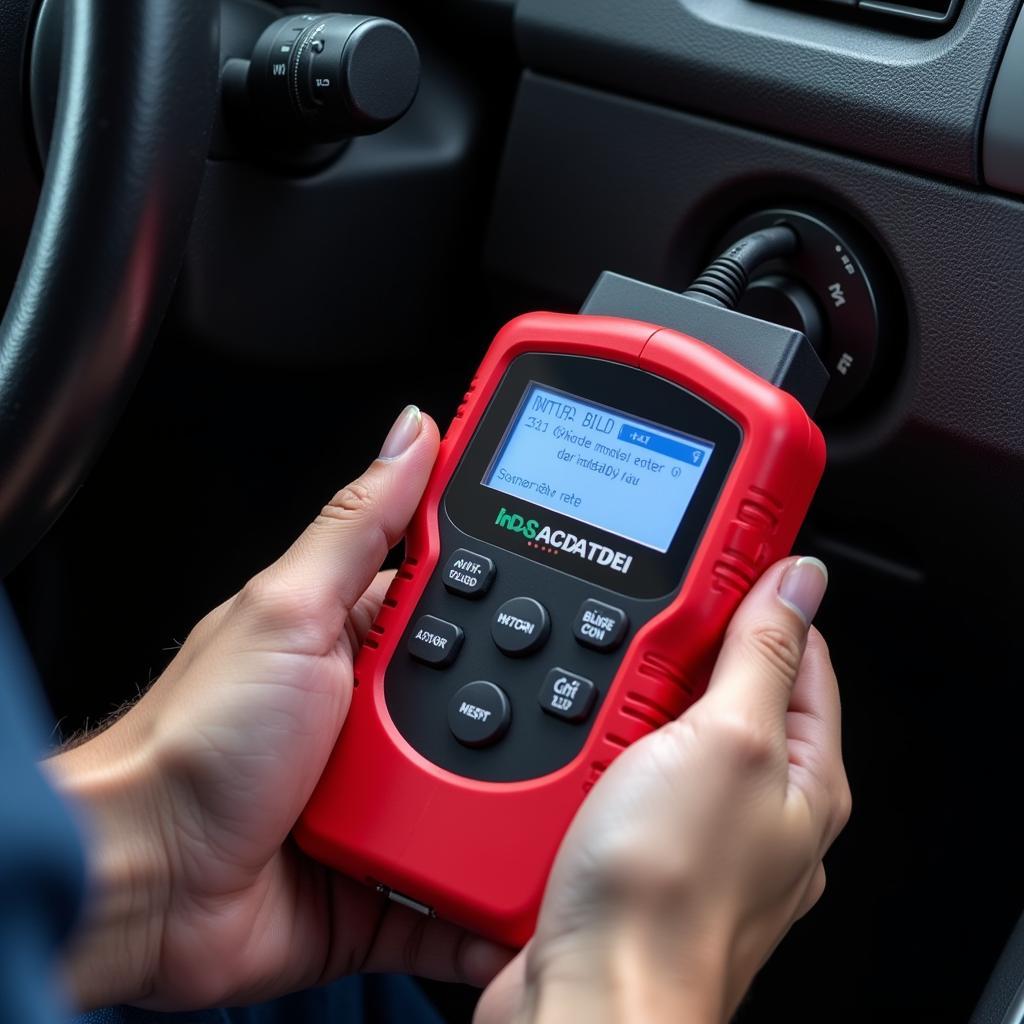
{"points": [[135, 107]]}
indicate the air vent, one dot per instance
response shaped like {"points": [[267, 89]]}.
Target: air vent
{"points": [[937, 12], [924, 14]]}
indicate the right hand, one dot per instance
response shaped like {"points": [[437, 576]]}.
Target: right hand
{"points": [[703, 842]]}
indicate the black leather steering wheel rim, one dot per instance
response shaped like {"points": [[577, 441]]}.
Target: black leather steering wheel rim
{"points": [[134, 112]]}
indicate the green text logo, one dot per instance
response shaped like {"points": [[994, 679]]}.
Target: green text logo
{"points": [[517, 524]]}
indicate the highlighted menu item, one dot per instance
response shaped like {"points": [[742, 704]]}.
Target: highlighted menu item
{"points": [[600, 466]]}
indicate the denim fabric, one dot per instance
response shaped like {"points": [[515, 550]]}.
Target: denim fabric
{"points": [[370, 999], [41, 863]]}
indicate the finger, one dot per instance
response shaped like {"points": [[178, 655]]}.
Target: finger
{"points": [[814, 738], [503, 997], [335, 559], [763, 647], [410, 943]]}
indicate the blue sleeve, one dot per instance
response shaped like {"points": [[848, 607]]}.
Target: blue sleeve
{"points": [[41, 861]]}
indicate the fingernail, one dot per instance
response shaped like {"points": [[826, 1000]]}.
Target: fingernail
{"points": [[402, 434], [803, 586]]}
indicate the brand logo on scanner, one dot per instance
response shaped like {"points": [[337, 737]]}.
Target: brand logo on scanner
{"points": [[618, 561]]}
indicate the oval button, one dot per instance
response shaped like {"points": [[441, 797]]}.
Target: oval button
{"points": [[520, 626], [601, 626], [479, 714], [567, 695], [435, 641]]}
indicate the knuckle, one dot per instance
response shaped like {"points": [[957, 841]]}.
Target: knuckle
{"points": [[744, 742], [776, 647], [266, 596], [354, 501]]}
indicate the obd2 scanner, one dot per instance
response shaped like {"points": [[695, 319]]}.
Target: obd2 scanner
{"points": [[610, 488]]}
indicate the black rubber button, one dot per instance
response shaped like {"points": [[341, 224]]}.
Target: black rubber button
{"points": [[601, 626], [520, 626], [468, 574], [479, 713], [567, 695], [434, 641]]}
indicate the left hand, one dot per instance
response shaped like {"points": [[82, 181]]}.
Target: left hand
{"points": [[200, 898]]}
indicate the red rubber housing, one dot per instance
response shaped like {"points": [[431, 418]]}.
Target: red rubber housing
{"points": [[479, 853]]}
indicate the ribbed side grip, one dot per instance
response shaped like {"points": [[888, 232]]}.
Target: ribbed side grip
{"points": [[660, 693], [403, 577], [749, 546]]}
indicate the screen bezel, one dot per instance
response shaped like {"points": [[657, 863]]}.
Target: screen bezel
{"points": [[473, 507]]}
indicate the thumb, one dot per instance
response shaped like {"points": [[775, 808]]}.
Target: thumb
{"points": [[764, 645], [336, 557]]}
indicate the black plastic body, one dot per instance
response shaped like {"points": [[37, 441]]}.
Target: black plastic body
{"points": [[781, 355], [537, 743]]}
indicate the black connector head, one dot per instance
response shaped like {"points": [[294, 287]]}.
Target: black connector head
{"points": [[780, 355]]}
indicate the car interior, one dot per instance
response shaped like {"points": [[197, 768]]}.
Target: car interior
{"points": [[221, 287]]}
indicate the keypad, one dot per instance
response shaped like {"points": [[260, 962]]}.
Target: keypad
{"points": [[505, 666]]}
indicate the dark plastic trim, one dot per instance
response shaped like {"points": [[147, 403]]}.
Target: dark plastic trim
{"points": [[1003, 147], [834, 81]]}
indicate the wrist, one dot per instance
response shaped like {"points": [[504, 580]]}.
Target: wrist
{"points": [[623, 973], [111, 780]]}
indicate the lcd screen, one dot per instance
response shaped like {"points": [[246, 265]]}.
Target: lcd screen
{"points": [[599, 465]]}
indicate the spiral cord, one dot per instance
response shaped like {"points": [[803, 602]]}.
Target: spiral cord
{"points": [[725, 280]]}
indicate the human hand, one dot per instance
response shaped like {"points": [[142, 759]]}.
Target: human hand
{"points": [[703, 843], [200, 897]]}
